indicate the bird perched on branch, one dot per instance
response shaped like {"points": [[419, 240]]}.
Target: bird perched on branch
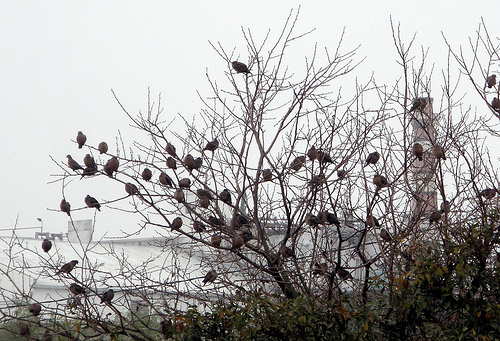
{"points": [[203, 193], [491, 81], [238, 242], [88, 161], [176, 223], [81, 139], [102, 147], [76, 289], [488, 193], [179, 195], [328, 218], [438, 152], [35, 309], [196, 164], [239, 67], [418, 151], [385, 235], [312, 153], [199, 227], [312, 220], [73, 164], [215, 240], [107, 296], [212, 146], [418, 104], [88, 171], [324, 157], [380, 181], [267, 175], [111, 166], [188, 161], [46, 245], [341, 173], [372, 158], [343, 273], [320, 269], [165, 180], [65, 207], [371, 220], [435, 217], [495, 103], [286, 252], [215, 222], [131, 189], [23, 329], [204, 202], [297, 163], [92, 202], [225, 197], [185, 183], [210, 277], [170, 149], [171, 163], [147, 174], [68, 267], [445, 207]]}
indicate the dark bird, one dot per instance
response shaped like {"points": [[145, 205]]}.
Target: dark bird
{"points": [[171, 163], [166, 328], [312, 153], [328, 218], [297, 163], [317, 180], [131, 189], [204, 193], [199, 227], [438, 152], [491, 81], [445, 207], [102, 147], [215, 240], [107, 296], [488, 193], [23, 329], [239, 67], [73, 164], [385, 235], [495, 103], [225, 197], [418, 151], [35, 309], [324, 157], [371, 221], [185, 183], [170, 149], [380, 181], [343, 273], [238, 221], [372, 158], [147, 174], [210, 277], [238, 242], [312, 220], [92, 202], [46, 245], [88, 161], [189, 161], [111, 166], [88, 171], [215, 222], [165, 180], [418, 104], [286, 252], [176, 223], [204, 202], [179, 195], [435, 217], [212, 146], [196, 164], [76, 289], [65, 207], [267, 175], [320, 269], [66, 268], [81, 139], [246, 235], [341, 173]]}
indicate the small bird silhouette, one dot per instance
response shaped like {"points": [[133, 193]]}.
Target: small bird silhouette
{"points": [[320, 269], [185, 183], [343, 273], [435, 217], [324, 157], [73, 164], [35, 309], [488, 193], [238, 242], [81, 139], [171, 163], [88, 171], [107, 296], [371, 221], [312, 153], [225, 197], [328, 218], [418, 151], [170, 149], [65, 207], [297, 163], [491, 81], [165, 180], [380, 181], [210, 277], [239, 67], [46, 245], [385, 235], [76, 289], [215, 222], [312, 220], [23, 329], [92, 202], [495, 103], [446, 206], [341, 173], [176, 223], [189, 161], [267, 175], [68, 267], [179, 195], [147, 174], [438, 152], [418, 104], [102, 147], [372, 158], [131, 189], [204, 202], [199, 227], [204, 193], [88, 161], [196, 164], [111, 166], [215, 240], [286, 252], [212, 145]]}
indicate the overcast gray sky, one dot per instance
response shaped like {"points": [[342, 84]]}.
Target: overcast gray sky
{"points": [[59, 60]]}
